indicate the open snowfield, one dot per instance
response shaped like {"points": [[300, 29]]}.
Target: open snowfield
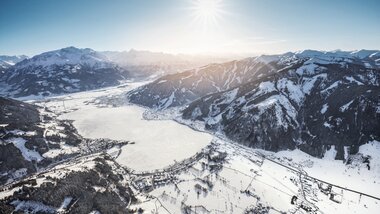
{"points": [[247, 180], [335, 171]]}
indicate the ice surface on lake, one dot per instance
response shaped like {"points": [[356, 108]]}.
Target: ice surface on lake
{"points": [[158, 143]]}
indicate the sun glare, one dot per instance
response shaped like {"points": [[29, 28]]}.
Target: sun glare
{"points": [[207, 11]]}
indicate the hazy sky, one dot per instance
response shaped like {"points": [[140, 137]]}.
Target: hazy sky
{"points": [[189, 26]]}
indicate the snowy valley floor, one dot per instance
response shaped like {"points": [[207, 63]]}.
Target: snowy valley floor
{"points": [[172, 168]]}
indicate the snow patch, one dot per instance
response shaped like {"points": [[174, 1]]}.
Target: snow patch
{"points": [[230, 95], [332, 86], [324, 108], [294, 91], [330, 154], [27, 153], [308, 83], [353, 80], [345, 106], [327, 125], [32, 206], [266, 87]]}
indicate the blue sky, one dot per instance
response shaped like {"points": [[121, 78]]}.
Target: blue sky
{"points": [[176, 26]]}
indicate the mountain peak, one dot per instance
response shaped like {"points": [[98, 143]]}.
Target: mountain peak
{"points": [[8, 61], [69, 55], [73, 49], [361, 54]]}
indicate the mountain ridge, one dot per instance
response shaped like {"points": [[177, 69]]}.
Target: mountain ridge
{"points": [[60, 71], [311, 100]]}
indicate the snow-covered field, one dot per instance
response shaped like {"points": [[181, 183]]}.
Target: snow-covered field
{"points": [[358, 177], [247, 181]]}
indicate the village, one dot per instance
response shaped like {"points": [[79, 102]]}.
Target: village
{"points": [[204, 171], [209, 182], [147, 181]]}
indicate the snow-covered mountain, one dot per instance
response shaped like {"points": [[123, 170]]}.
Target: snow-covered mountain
{"points": [[182, 88], [8, 61], [72, 69], [48, 167], [32, 141], [26, 139], [318, 101], [65, 70], [33, 137]]}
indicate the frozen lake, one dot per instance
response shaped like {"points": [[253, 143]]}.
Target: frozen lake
{"points": [[158, 143]]}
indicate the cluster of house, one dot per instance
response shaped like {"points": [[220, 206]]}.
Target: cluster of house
{"points": [[216, 156], [327, 189], [148, 183], [194, 209], [215, 160], [302, 204]]}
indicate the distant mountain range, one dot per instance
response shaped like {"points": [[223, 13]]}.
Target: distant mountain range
{"points": [[8, 61], [313, 100], [72, 69], [146, 63], [316, 101], [61, 71], [326, 104]]}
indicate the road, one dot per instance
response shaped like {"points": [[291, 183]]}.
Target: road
{"points": [[317, 179]]}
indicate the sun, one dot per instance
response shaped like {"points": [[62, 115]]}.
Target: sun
{"points": [[207, 11]]}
